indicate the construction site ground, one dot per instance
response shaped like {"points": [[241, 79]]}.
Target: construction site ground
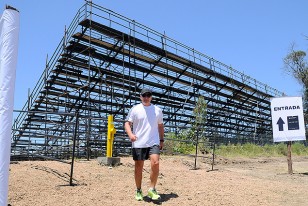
{"points": [[238, 181]]}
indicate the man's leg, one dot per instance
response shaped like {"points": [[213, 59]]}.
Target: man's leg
{"points": [[138, 172], [152, 193], [154, 158]]}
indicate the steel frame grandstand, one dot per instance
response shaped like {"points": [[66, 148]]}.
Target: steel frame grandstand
{"points": [[99, 68]]}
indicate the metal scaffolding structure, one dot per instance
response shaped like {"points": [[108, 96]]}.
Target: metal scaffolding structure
{"points": [[99, 68]]}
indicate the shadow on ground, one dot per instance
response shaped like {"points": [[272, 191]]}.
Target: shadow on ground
{"points": [[164, 198]]}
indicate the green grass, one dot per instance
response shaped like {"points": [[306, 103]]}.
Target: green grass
{"points": [[181, 143], [252, 150], [178, 144]]}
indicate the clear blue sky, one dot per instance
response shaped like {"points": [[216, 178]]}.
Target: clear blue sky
{"points": [[251, 36]]}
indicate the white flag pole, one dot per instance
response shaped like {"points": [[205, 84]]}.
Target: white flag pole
{"points": [[9, 31]]}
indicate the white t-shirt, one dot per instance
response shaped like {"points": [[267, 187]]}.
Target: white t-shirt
{"points": [[145, 121]]}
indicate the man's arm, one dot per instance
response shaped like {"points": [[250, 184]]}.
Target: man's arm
{"points": [[129, 131], [161, 132]]}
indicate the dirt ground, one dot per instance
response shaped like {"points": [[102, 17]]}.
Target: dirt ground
{"points": [[238, 182]]}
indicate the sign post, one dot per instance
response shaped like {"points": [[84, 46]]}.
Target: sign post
{"points": [[290, 170], [288, 122]]}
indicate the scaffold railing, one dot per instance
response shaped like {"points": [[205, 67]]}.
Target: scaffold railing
{"points": [[99, 68]]}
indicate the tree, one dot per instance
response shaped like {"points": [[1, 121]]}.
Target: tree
{"points": [[200, 112], [296, 64]]}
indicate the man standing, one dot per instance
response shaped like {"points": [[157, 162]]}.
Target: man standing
{"points": [[147, 139]]}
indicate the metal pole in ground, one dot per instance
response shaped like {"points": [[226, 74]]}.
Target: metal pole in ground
{"points": [[74, 145], [213, 153], [197, 142]]}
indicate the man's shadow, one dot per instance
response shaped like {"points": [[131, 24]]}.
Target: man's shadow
{"points": [[163, 198]]}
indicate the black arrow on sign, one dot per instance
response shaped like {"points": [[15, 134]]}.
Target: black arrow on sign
{"points": [[280, 123]]}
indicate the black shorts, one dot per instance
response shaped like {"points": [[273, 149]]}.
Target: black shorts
{"points": [[144, 153]]}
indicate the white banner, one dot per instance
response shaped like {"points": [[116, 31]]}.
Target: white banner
{"points": [[9, 31], [288, 119]]}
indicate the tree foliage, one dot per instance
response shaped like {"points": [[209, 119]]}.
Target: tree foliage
{"points": [[200, 112], [185, 141], [296, 64]]}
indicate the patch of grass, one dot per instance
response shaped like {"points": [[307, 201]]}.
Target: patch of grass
{"points": [[299, 149], [181, 143], [252, 150], [175, 145]]}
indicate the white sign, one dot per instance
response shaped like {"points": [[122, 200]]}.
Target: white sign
{"points": [[288, 119]]}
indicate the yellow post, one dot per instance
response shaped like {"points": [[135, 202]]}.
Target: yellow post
{"points": [[110, 135]]}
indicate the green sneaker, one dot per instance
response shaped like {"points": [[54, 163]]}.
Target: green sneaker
{"points": [[152, 193], [139, 195]]}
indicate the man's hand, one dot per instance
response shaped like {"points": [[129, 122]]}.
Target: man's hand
{"points": [[133, 138], [161, 145]]}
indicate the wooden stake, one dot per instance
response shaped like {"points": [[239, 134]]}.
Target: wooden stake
{"points": [[290, 170]]}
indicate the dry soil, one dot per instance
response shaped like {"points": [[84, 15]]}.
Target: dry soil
{"points": [[238, 182]]}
